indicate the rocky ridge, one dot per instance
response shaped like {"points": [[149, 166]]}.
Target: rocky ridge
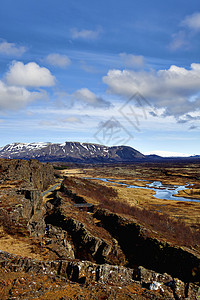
{"points": [[32, 172], [91, 249], [148, 284]]}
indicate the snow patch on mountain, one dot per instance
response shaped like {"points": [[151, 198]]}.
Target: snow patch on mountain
{"points": [[70, 151]]}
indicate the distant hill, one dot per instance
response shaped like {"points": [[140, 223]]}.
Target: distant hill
{"points": [[71, 152], [76, 152], [153, 157]]}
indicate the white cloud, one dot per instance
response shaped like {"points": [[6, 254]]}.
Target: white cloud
{"points": [[190, 27], [30, 75], [13, 98], [170, 89], [58, 60], [85, 34], [11, 49], [192, 21], [47, 123], [179, 40], [86, 96], [71, 120], [131, 60]]}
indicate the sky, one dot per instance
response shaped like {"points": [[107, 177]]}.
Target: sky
{"points": [[106, 72]]}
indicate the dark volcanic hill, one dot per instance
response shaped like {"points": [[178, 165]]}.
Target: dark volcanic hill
{"points": [[71, 152]]}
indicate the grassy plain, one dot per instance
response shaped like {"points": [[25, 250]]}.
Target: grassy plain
{"points": [[187, 212]]}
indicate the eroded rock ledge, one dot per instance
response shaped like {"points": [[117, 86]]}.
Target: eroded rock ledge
{"points": [[84, 272], [97, 247]]}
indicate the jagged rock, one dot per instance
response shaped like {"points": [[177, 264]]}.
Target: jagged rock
{"points": [[57, 240], [149, 252], [74, 237], [85, 272], [31, 172], [150, 276], [33, 211], [193, 291], [89, 244], [25, 204]]}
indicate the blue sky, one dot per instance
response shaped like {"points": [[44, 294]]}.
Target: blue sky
{"points": [[110, 72]]}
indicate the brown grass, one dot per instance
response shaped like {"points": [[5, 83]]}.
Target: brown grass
{"points": [[172, 229], [90, 189], [10, 226], [169, 228]]}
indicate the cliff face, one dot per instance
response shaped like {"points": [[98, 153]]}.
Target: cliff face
{"points": [[150, 252], [97, 280], [39, 175], [105, 237], [88, 241], [86, 245], [21, 185]]}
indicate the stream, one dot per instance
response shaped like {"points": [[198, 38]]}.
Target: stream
{"points": [[163, 191]]}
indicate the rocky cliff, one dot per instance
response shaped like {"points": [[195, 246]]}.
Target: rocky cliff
{"points": [[99, 254], [111, 282], [39, 175]]}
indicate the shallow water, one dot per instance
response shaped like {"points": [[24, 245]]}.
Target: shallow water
{"points": [[163, 191]]}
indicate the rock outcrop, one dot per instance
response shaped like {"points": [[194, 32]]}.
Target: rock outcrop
{"points": [[97, 249], [88, 241], [32, 172], [150, 252], [24, 181], [84, 272]]}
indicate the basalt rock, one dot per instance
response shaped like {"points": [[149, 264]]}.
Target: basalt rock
{"points": [[58, 241], [150, 252], [31, 172], [32, 211], [85, 272], [88, 245]]}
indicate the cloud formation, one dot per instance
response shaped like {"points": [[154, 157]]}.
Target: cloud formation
{"points": [[176, 89], [71, 120], [192, 127], [58, 60], [11, 49], [192, 21], [190, 27], [85, 34], [13, 98], [86, 96], [179, 40], [46, 123], [29, 75], [131, 60]]}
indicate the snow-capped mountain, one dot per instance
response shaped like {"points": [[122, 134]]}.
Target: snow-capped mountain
{"points": [[70, 152]]}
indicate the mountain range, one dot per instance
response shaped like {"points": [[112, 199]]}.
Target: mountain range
{"points": [[70, 152], [75, 152]]}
